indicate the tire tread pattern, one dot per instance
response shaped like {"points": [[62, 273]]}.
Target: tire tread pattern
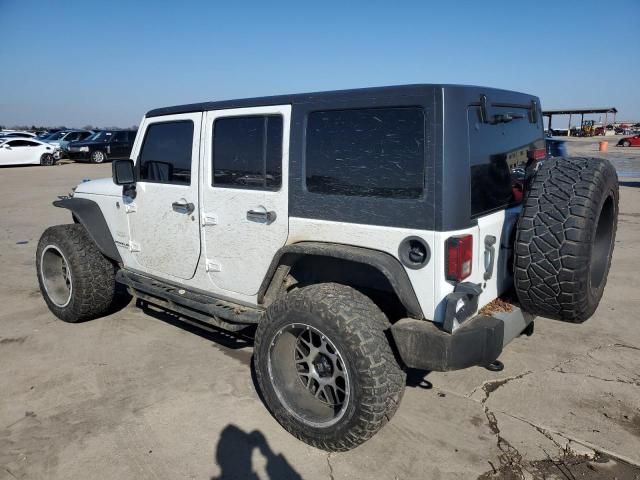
{"points": [[92, 274], [555, 233], [363, 325]]}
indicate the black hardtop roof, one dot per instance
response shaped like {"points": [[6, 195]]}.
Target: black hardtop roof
{"points": [[314, 97]]}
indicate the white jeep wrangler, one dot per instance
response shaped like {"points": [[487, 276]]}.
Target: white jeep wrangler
{"points": [[358, 232]]}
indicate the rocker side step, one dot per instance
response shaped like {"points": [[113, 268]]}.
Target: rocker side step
{"points": [[196, 301]]}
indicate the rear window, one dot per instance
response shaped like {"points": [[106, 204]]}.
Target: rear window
{"points": [[498, 155], [373, 152]]}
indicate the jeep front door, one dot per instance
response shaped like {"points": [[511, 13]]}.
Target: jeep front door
{"points": [[244, 194], [163, 217]]}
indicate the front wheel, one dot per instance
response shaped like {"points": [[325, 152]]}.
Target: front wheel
{"points": [[76, 280], [626, 143], [47, 160], [98, 156], [325, 367]]}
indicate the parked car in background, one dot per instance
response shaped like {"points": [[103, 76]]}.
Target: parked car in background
{"points": [[48, 133], [24, 151], [629, 141], [102, 146], [63, 138], [15, 134]]}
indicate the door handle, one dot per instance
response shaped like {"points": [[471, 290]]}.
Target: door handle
{"points": [[183, 206], [261, 216]]}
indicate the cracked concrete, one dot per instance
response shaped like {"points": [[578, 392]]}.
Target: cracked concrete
{"points": [[138, 396], [331, 477]]}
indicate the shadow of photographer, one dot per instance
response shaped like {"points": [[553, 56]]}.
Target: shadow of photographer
{"points": [[234, 452]]}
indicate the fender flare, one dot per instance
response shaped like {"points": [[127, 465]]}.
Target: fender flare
{"points": [[92, 219], [388, 265]]}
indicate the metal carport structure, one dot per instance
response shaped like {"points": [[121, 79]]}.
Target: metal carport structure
{"points": [[581, 112]]}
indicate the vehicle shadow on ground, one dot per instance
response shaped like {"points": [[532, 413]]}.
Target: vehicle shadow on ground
{"points": [[417, 379], [244, 339], [234, 456], [629, 184]]}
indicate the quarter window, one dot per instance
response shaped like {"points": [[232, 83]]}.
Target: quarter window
{"points": [[166, 153], [247, 152], [373, 152], [22, 143]]}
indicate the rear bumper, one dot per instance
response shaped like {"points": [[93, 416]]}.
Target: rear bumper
{"points": [[479, 341]]}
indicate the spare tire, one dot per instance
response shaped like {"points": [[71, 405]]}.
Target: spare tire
{"points": [[565, 237]]}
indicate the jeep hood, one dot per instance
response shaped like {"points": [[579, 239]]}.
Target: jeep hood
{"points": [[101, 186]]}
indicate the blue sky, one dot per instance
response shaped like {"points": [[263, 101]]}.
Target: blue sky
{"points": [[106, 63]]}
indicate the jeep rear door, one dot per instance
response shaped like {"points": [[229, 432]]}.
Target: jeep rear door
{"points": [[244, 194], [163, 217], [505, 140]]}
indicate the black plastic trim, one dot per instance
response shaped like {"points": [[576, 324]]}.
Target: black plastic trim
{"points": [[90, 216], [467, 292], [191, 299], [388, 265], [424, 346], [414, 213]]}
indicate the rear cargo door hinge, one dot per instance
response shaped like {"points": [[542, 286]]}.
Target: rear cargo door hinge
{"points": [[130, 208], [212, 266], [489, 256], [134, 247]]}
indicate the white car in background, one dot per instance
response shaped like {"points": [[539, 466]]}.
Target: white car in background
{"points": [[26, 151], [4, 134]]}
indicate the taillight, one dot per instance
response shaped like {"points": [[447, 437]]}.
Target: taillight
{"points": [[459, 257], [537, 154]]}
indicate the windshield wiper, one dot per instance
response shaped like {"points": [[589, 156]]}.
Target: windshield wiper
{"points": [[506, 117]]}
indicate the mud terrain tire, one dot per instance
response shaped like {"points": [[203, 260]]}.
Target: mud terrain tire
{"points": [[87, 288], [565, 238], [355, 328]]}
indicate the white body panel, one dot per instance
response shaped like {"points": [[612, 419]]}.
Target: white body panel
{"points": [[429, 283], [488, 225], [165, 241], [385, 239], [238, 250], [100, 186]]}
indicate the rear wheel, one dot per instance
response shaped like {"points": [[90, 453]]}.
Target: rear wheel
{"points": [[565, 238], [626, 143], [98, 156], [325, 366], [76, 280]]}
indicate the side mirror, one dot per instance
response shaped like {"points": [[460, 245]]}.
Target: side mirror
{"points": [[123, 172]]}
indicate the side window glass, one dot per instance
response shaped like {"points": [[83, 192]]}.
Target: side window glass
{"points": [[247, 152], [165, 156], [21, 143], [374, 152]]}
